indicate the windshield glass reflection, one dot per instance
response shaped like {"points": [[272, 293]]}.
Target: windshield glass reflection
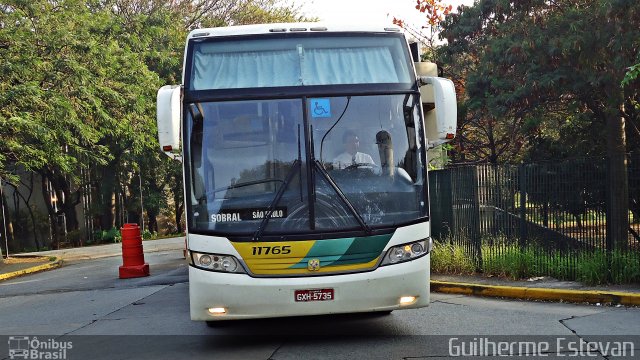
{"points": [[247, 159]]}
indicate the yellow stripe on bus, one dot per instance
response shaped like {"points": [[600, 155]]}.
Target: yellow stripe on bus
{"points": [[260, 270], [277, 258]]}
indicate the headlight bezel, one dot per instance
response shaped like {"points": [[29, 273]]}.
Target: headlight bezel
{"points": [[199, 260], [408, 251]]}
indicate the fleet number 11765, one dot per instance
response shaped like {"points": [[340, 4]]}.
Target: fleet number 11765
{"points": [[274, 250]]}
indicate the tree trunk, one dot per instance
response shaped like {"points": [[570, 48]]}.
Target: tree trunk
{"points": [[69, 206], [27, 200], [67, 200], [119, 205], [53, 221], [106, 190], [179, 209], [11, 238], [153, 221]]}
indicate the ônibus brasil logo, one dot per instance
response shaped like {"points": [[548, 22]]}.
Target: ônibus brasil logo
{"points": [[25, 347]]}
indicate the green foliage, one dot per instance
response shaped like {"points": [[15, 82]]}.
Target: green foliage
{"points": [[595, 268], [509, 260], [107, 236], [71, 95], [631, 75], [73, 237], [542, 81], [68, 85], [267, 11], [148, 235], [438, 156], [451, 259], [78, 82], [539, 78]]}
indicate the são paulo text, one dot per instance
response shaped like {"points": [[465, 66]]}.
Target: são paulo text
{"points": [[236, 216]]}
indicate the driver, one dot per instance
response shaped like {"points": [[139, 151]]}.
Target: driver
{"points": [[351, 156]]}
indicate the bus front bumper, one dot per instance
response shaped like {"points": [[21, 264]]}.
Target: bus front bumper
{"points": [[244, 297]]}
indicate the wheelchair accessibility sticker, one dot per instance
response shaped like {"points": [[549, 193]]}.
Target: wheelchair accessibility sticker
{"points": [[320, 108]]}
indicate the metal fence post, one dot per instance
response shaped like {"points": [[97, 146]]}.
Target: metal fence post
{"points": [[4, 220], [476, 236], [522, 179], [609, 244], [446, 208]]}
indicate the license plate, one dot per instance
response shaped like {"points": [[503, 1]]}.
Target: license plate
{"points": [[313, 295]]}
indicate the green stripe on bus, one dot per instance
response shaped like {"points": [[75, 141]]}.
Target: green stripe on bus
{"points": [[346, 251], [364, 249]]}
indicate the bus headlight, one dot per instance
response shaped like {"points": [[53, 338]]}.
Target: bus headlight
{"points": [[407, 252], [216, 262]]}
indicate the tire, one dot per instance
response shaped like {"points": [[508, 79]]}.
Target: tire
{"points": [[217, 324], [381, 313]]}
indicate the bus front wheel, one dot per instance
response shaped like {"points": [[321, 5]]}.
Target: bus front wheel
{"points": [[217, 324]]}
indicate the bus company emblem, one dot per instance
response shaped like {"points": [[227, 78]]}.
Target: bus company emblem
{"points": [[313, 265]]}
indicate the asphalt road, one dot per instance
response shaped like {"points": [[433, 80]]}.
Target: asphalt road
{"points": [[103, 317]]}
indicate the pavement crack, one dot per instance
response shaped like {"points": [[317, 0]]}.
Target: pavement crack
{"points": [[446, 302], [271, 357], [563, 322]]}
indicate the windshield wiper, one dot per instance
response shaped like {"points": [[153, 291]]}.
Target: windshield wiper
{"points": [[267, 215], [238, 185], [342, 196]]}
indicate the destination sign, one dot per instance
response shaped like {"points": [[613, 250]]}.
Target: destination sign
{"points": [[249, 214]]}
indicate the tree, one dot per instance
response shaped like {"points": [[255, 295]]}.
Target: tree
{"points": [[71, 90], [150, 30], [541, 62], [483, 135], [266, 11], [78, 82]]}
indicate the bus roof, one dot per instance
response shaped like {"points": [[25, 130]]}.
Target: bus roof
{"points": [[280, 28]]}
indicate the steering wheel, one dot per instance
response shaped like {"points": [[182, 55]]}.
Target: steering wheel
{"points": [[327, 215], [362, 165]]}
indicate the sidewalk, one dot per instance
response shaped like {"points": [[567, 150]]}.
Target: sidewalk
{"points": [[52, 259], [19, 266], [544, 288], [539, 289], [115, 249]]}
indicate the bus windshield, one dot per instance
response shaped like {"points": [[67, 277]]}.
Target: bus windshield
{"points": [[276, 61], [355, 162]]}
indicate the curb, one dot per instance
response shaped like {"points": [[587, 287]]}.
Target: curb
{"points": [[73, 257], [545, 294], [60, 259], [49, 266]]}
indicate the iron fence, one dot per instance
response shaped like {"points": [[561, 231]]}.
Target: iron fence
{"points": [[551, 214]]}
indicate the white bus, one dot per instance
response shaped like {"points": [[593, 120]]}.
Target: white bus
{"points": [[304, 149]]}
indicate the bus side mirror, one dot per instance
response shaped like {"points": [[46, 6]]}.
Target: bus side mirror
{"points": [[438, 102], [169, 118], [441, 121]]}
